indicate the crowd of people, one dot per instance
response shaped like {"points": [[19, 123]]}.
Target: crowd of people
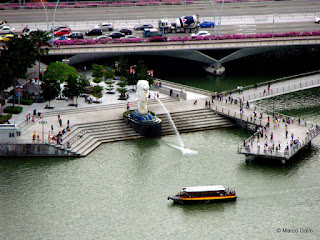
{"points": [[57, 139]]}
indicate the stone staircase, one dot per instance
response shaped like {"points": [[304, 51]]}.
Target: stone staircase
{"points": [[193, 121], [84, 138]]}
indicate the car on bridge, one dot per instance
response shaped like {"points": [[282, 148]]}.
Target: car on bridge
{"points": [[103, 37], [60, 27], [75, 35], [94, 31], [61, 38], [317, 20], [125, 31], [200, 33], [206, 24], [105, 26], [61, 32], [130, 36], [143, 26], [116, 35], [7, 29], [6, 38]]}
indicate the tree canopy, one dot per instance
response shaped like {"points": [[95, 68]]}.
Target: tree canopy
{"points": [[59, 71], [55, 74], [17, 55]]}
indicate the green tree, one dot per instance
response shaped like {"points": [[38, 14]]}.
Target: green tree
{"points": [[97, 70], [72, 87], [108, 73], [96, 91], [97, 80], [110, 87], [142, 72], [55, 74], [122, 88], [59, 71], [50, 89], [124, 68], [84, 82], [17, 55]]}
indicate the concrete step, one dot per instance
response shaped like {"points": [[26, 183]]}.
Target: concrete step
{"points": [[93, 134], [83, 142]]}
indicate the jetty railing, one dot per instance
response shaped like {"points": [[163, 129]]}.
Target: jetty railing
{"points": [[280, 90], [289, 151]]}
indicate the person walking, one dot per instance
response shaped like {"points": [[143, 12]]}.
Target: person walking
{"points": [[128, 106]]}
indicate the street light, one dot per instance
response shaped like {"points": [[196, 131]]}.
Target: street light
{"points": [[273, 21], [54, 15], [214, 18], [45, 10], [220, 17]]}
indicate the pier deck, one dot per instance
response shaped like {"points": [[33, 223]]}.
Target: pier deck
{"points": [[283, 136]]}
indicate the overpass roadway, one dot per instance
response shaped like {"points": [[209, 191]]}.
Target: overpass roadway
{"points": [[185, 50], [250, 17]]}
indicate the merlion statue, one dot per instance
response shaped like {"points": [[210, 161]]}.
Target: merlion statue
{"points": [[141, 120], [142, 92]]}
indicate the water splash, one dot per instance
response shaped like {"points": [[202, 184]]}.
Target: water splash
{"points": [[180, 143]]}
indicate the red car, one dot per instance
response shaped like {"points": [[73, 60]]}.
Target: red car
{"points": [[61, 32]]}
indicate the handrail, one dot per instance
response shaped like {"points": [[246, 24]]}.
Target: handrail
{"points": [[285, 153]]}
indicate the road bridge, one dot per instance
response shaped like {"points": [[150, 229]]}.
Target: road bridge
{"points": [[186, 50]]}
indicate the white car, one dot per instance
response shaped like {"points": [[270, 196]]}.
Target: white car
{"points": [[105, 26], [130, 36], [200, 33], [103, 37], [317, 20], [7, 29]]}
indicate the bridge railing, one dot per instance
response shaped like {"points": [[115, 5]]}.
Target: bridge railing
{"points": [[273, 81], [240, 116], [280, 90], [286, 153]]}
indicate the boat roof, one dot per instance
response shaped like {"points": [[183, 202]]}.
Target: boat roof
{"points": [[204, 188]]}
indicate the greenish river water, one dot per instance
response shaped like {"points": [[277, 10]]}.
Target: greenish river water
{"points": [[120, 190]]}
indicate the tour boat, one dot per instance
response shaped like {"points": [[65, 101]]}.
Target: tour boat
{"points": [[204, 194]]}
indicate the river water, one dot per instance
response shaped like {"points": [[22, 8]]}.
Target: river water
{"points": [[120, 190]]}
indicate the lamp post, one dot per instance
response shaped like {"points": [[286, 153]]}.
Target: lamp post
{"points": [[220, 17], [273, 22], [54, 15], [45, 10], [214, 18]]}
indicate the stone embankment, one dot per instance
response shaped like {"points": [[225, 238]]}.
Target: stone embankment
{"points": [[84, 138]]}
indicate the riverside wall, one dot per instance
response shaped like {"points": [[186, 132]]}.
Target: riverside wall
{"points": [[39, 150]]}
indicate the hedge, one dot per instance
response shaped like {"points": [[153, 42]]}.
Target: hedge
{"points": [[5, 118], [24, 101], [13, 110]]}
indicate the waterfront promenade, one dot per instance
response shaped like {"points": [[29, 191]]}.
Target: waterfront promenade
{"points": [[111, 109]]}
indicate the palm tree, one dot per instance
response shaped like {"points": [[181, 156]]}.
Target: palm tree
{"points": [[41, 40]]}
